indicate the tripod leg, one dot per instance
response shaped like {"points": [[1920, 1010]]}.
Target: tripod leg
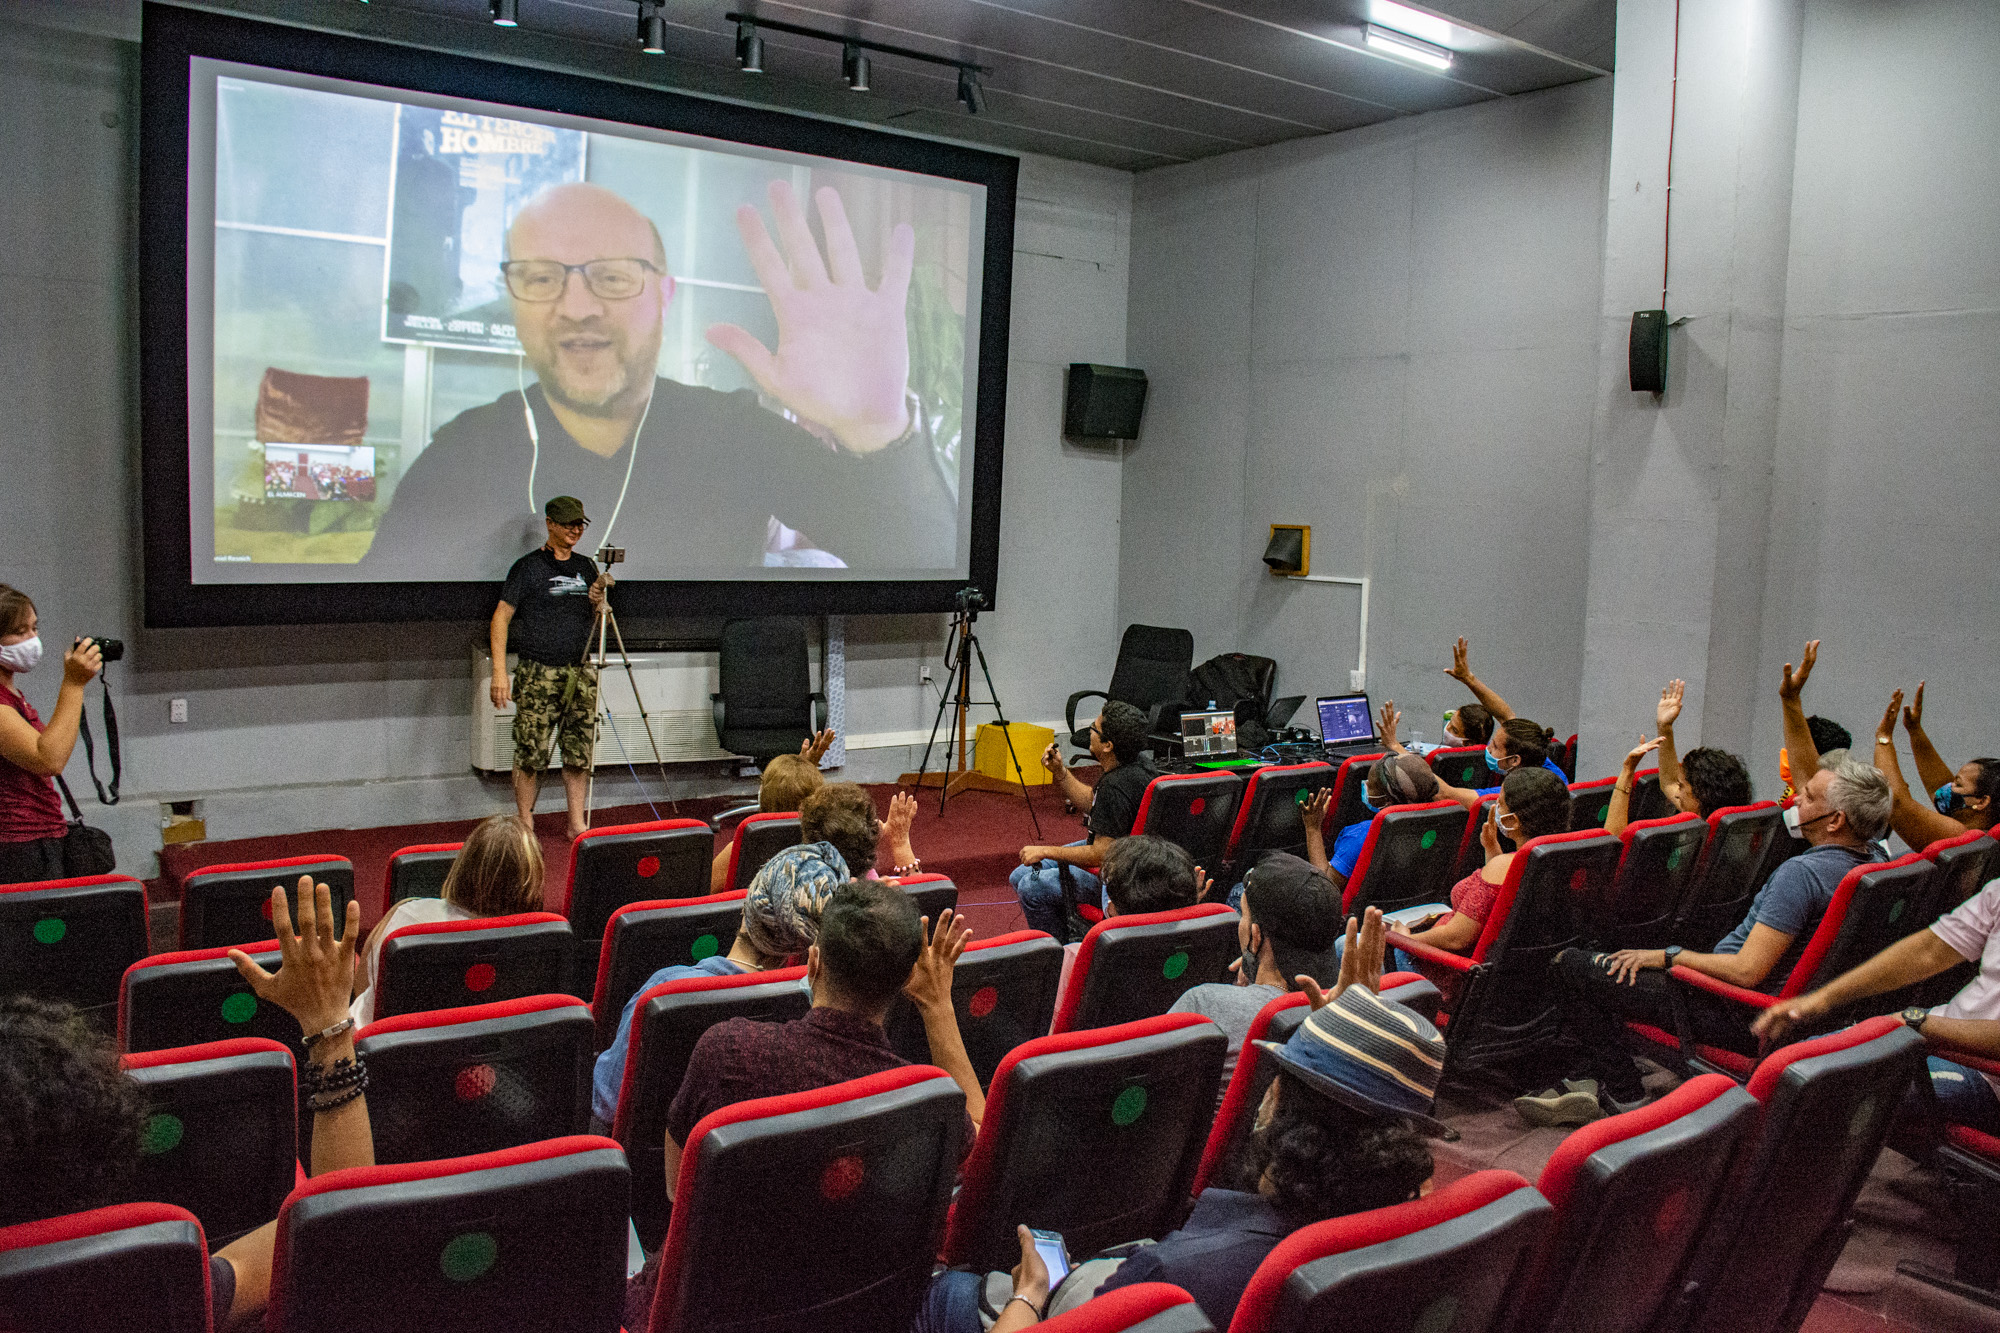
{"points": [[596, 719], [960, 703], [633, 679], [1000, 712], [944, 701]]}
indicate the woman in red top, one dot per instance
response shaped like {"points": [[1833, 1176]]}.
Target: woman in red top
{"points": [[1532, 803], [31, 815]]}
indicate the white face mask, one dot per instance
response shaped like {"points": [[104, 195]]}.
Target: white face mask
{"points": [[22, 656]]}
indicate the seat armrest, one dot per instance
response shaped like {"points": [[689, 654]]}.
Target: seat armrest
{"points": [[818, 711], [1756, 999], [721, 817], [1429, 953], [1069, 709], [1985, 1064]]}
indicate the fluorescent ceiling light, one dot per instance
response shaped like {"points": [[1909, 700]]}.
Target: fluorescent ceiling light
{"points": [[1403, 19], [1401, 44]]}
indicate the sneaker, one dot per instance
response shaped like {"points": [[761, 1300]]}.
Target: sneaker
{"points": [[1574, 1101], [1616, 1106]]}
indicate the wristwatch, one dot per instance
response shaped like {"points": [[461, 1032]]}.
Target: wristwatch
{"points": [[1673, 955], [1914, 1017]]}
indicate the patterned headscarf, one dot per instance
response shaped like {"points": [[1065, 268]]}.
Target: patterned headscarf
{"points": [[781, 910]]}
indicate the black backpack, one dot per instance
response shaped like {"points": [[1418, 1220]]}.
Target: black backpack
{"points": [[1234, 681]]}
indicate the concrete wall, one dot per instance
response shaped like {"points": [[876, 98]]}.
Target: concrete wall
{"points": [[1389, 334], [311, 728]]}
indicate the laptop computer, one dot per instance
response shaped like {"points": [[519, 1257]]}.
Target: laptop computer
{"points": [[1209, 735], [1346, 724]]}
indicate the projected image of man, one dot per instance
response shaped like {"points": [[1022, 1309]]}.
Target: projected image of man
{"points": [[690, 478]]}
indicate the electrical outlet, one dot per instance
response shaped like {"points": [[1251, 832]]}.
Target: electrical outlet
{"points": [[1357, 680], [924, 676], [177, 710]]}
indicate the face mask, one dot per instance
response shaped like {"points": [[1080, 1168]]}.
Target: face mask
{"points": [[1797, 827], [22, 656], [1371, 806], [1494, 761], [1455, 742], [1948, 800]]}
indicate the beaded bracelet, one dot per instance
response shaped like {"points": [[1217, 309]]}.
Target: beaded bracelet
{"points": [[344, 1025], [916, 864]]}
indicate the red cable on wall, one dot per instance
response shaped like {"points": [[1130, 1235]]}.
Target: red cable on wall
{"points": [[1673, 108]]}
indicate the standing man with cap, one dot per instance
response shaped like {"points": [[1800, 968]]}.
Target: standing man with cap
{"points": [[547, 608]]}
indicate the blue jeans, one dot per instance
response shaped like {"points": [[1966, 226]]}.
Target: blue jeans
{"points": [[1394, 960], [1040, 889], [1964, 1097], [951, 1305]]}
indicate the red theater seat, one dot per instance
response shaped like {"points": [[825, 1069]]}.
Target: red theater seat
{"points": [[1195, 811], [1406, 858], [756, 840], [454, 1082], [1632, 1193], [417, 871], [1146, 1307], [532, 1238], [1471, 852], [1964, 865], [1970, 1160], [1270, 817], [1590, 803], [1132, 967], [196, 996], [231, 904], [935, 895], [666, 1023], [817, 1210], [1655, 873], [1004, 992], [1095, 1134], [221, 1136], [133, 1267], [70, 940], [1462, 766], [643, 937], [1350, 785], [629, 863], [1742, 846], [445, 964], [1448, 1261]]}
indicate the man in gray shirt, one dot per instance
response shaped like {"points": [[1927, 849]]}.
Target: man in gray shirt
{"points": [[1290, 918]]}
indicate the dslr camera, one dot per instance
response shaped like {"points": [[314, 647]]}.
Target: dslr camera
{"points": [[112, 650], [970, 599]]}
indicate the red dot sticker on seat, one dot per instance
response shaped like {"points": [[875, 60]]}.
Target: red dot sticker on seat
{"points": [[1672, 1213], [264, 909], [480, 977], [841, 1178], [648, 866], [982, 1002], [474, 1082], [1577, 879], [1197, 805]]}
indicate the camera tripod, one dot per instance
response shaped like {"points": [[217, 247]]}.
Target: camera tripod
{"points": [[960, 648], [607, 632]]}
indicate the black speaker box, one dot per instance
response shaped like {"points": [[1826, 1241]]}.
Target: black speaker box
{"points": [[1104, 402], [1647, 351]]}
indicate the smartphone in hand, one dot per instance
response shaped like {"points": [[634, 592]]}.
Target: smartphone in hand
{"points": [[1049, 1244]]}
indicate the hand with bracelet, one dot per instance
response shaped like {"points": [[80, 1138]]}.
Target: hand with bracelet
{"points": [[1030, 1300]]}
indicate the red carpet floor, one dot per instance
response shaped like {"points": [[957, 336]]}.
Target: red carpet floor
{"points": [[976, 842]]}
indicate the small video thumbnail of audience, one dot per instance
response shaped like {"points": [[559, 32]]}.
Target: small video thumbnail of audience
{"points": [[319, 472]]}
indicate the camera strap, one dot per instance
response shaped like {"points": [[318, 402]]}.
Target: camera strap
{"points": [[110, 745]]}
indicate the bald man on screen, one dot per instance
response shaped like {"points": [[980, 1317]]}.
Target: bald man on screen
{"points": [[690, 479]]}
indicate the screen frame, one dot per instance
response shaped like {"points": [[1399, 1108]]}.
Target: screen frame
{"points": [[174, 36]]}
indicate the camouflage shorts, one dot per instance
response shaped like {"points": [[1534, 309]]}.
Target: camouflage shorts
{"points": [[547, 701]]}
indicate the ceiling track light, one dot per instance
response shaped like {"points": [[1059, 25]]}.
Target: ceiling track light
{"points": [[854, 59], [1406, 47], [749, 49], [854, 68], [506, 13], [652, 29], [969, 91]]}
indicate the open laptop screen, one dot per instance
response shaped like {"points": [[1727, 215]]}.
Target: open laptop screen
{"points": [[1344, 718], [1205, 735]]}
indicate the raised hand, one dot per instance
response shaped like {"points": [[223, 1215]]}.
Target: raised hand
{"points": [[1670, 705], [929, 985], [316, 978], [1913, 716], [1202, 885], [1392, 718], [902, 814], [1489, 831], [814, 748], [1460, 669], [1360, 960], [843, 357], [1795, 681], [1316, 807], [1640, 751], [1887, 731]]}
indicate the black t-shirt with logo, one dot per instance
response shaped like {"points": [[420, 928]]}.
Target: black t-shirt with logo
{"points": [[552, 610]]}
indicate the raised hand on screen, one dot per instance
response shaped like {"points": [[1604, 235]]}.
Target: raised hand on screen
{"points": [[843, 356]]}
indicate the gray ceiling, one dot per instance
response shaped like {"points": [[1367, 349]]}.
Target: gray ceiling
{"points": [[1135, 84]]}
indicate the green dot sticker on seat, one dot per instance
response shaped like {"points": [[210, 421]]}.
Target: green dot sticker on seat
{"points": [[1675, 857], [50, 930], [705, 947], [239, 1008], [1128, 1106], [1429, 840], [1175, 965], [162, 1134], [1438, 1316], [1603, 812], [469, 1256], [1897, 910]]}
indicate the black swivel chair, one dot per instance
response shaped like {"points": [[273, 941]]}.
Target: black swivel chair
{"points": [[1151, 675], [767, 705]]}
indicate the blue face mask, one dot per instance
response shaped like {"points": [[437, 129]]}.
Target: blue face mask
{"points": [[1372, 807], [1493, 761], [1948, 800]]}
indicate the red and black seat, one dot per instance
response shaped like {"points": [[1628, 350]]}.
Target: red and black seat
{"points": [[446, 964], [1094, 1134], [1350, 787], [1648, 801], [1632, 1193], [1132, 967], [1498, 995], [454, 1082], [231, 904], [1964, 865], [641, 938], [1471, 851], [134, 1267], [1451, 1260], [70, 940], [418, 871], [1826, 1109], [1144, 1307], [1461, 766], [1655, 874], [666, 1023], [1970, 1161], [935, 895], [221, 1136], [819, 1210], [1406, 858], [1004, 992], [197, 996], [1271, 815], [629, 863], [756, 840], [1590, 803], [530, 1238], [1742, 846], [1195, 811]]}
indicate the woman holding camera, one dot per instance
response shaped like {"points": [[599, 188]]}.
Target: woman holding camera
{"points": [[32, 827]]}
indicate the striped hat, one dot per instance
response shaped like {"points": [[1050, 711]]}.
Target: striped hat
{"points": [[781, 910], [1370, 1054]]}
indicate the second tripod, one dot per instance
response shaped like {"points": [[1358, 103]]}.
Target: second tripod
{"points": [[960, 648]]}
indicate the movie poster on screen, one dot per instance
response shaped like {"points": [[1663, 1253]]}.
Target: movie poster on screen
{"points": [[460, 176]]}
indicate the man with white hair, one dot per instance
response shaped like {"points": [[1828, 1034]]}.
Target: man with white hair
{"points": [[1841, 812]]}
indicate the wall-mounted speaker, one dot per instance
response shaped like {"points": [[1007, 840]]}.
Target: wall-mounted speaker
{"points": [[1104, 402], [1647, 351], [1290, 549]]}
